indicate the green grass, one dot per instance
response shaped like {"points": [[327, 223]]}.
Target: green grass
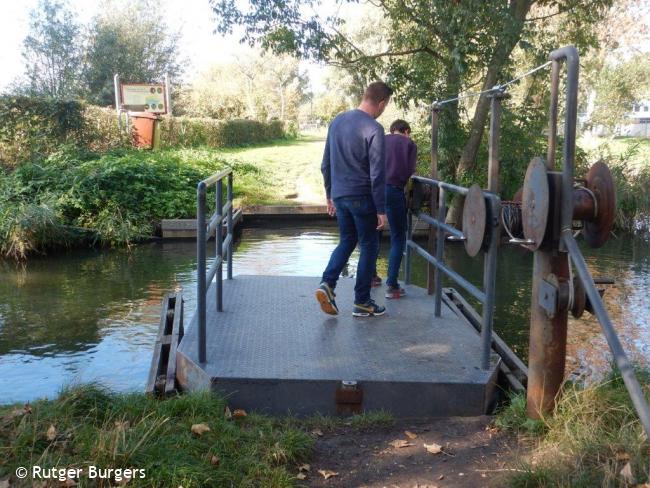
{"points": [[617, 147], [291, 169], [88, 425], [593, 433]]}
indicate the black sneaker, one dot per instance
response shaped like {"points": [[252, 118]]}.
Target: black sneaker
{"points": [[369, 309], [395, 292], [325, 296]]}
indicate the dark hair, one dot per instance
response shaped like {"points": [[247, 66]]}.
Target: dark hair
{"points": [[377, 91], [400, 125]]}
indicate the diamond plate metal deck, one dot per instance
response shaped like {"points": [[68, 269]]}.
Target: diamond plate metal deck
{"points": [[273, 350]]}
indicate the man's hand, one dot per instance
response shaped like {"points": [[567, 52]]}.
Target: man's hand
{"points": [[331, 209], [381, 221]]}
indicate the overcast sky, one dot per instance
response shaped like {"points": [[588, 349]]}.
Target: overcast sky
{"points": [[193, 17]]}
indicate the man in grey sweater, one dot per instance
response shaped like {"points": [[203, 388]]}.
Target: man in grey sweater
{"points": [[354, 173]]}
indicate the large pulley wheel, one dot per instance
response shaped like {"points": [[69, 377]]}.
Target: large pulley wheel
{"points": [[600, 182], [535, 203], [474, 220]]}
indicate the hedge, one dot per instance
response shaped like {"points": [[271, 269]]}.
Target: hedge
{"points": [[187, 131], [31, 128]]}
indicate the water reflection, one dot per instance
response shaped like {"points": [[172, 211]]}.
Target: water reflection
{"points": [[93, 315]]}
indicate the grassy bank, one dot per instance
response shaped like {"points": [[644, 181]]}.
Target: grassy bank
{"points": [[88, 426], [593, 439], [120, 197]]}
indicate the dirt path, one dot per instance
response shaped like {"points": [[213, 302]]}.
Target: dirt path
{"points": [[473, 455]]}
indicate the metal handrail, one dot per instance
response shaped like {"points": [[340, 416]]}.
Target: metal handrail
{"points": [[485, 296], [223, 248]]}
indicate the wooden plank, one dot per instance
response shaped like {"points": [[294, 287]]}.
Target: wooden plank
{"points": [[186, 228], [515, 364], [155, 367], [176, 335]]}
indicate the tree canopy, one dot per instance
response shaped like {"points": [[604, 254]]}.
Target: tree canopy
{"points": [[427, 49]]}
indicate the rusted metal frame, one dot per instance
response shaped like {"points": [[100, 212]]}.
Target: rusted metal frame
{"points": [[219, 246], [435, 110], [493, 140], [622, 362], [570, 55], [548, 335], [440, 249]]}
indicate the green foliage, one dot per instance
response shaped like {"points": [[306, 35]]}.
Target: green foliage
{"points": [[593, 433], [632, 183], [188, 131], [31, 127], [257, 86], [132, 39], [52, 51], [116, 199], [617, 87], [96, 427]]}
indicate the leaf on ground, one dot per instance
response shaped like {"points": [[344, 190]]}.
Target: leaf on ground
{"points": [[399, 443], [433, 448], [317, 432], [239, 413], [627, 474], [51, 433], [622, 456], [304, 467], [327, 473], [227, 414], [215, 460], [301, 476], [410, 434], [200, 429]]}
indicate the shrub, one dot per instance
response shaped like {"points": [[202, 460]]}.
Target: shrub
{"points": [[33, 127], [114, 199], [192, 132]]}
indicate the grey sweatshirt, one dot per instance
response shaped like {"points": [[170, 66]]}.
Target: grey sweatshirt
{"points": [[354, 162]]}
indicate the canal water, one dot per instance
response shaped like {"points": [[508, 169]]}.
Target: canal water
{"points": [[93, 315]]}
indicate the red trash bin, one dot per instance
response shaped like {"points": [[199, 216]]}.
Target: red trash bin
{"points": [[143, 129]]}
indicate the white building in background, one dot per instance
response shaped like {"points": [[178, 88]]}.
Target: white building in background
{"points": [[638, 124]]}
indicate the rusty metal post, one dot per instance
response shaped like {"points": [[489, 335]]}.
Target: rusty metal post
{"points": [[433, 200], [547, 351], [493, 142]]}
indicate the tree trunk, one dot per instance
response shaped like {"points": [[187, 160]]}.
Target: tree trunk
{"points": [[518, 11]]}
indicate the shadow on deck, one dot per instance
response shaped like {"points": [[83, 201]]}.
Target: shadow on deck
{"points": [[272, 350]]}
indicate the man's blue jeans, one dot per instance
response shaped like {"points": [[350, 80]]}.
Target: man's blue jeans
{"points": [[357, 219], [396, 213]]}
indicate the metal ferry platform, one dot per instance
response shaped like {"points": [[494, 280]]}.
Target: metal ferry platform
{"points": [[273, 350]]}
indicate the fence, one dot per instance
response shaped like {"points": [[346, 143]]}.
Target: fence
{"points": [[223, 247]]}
